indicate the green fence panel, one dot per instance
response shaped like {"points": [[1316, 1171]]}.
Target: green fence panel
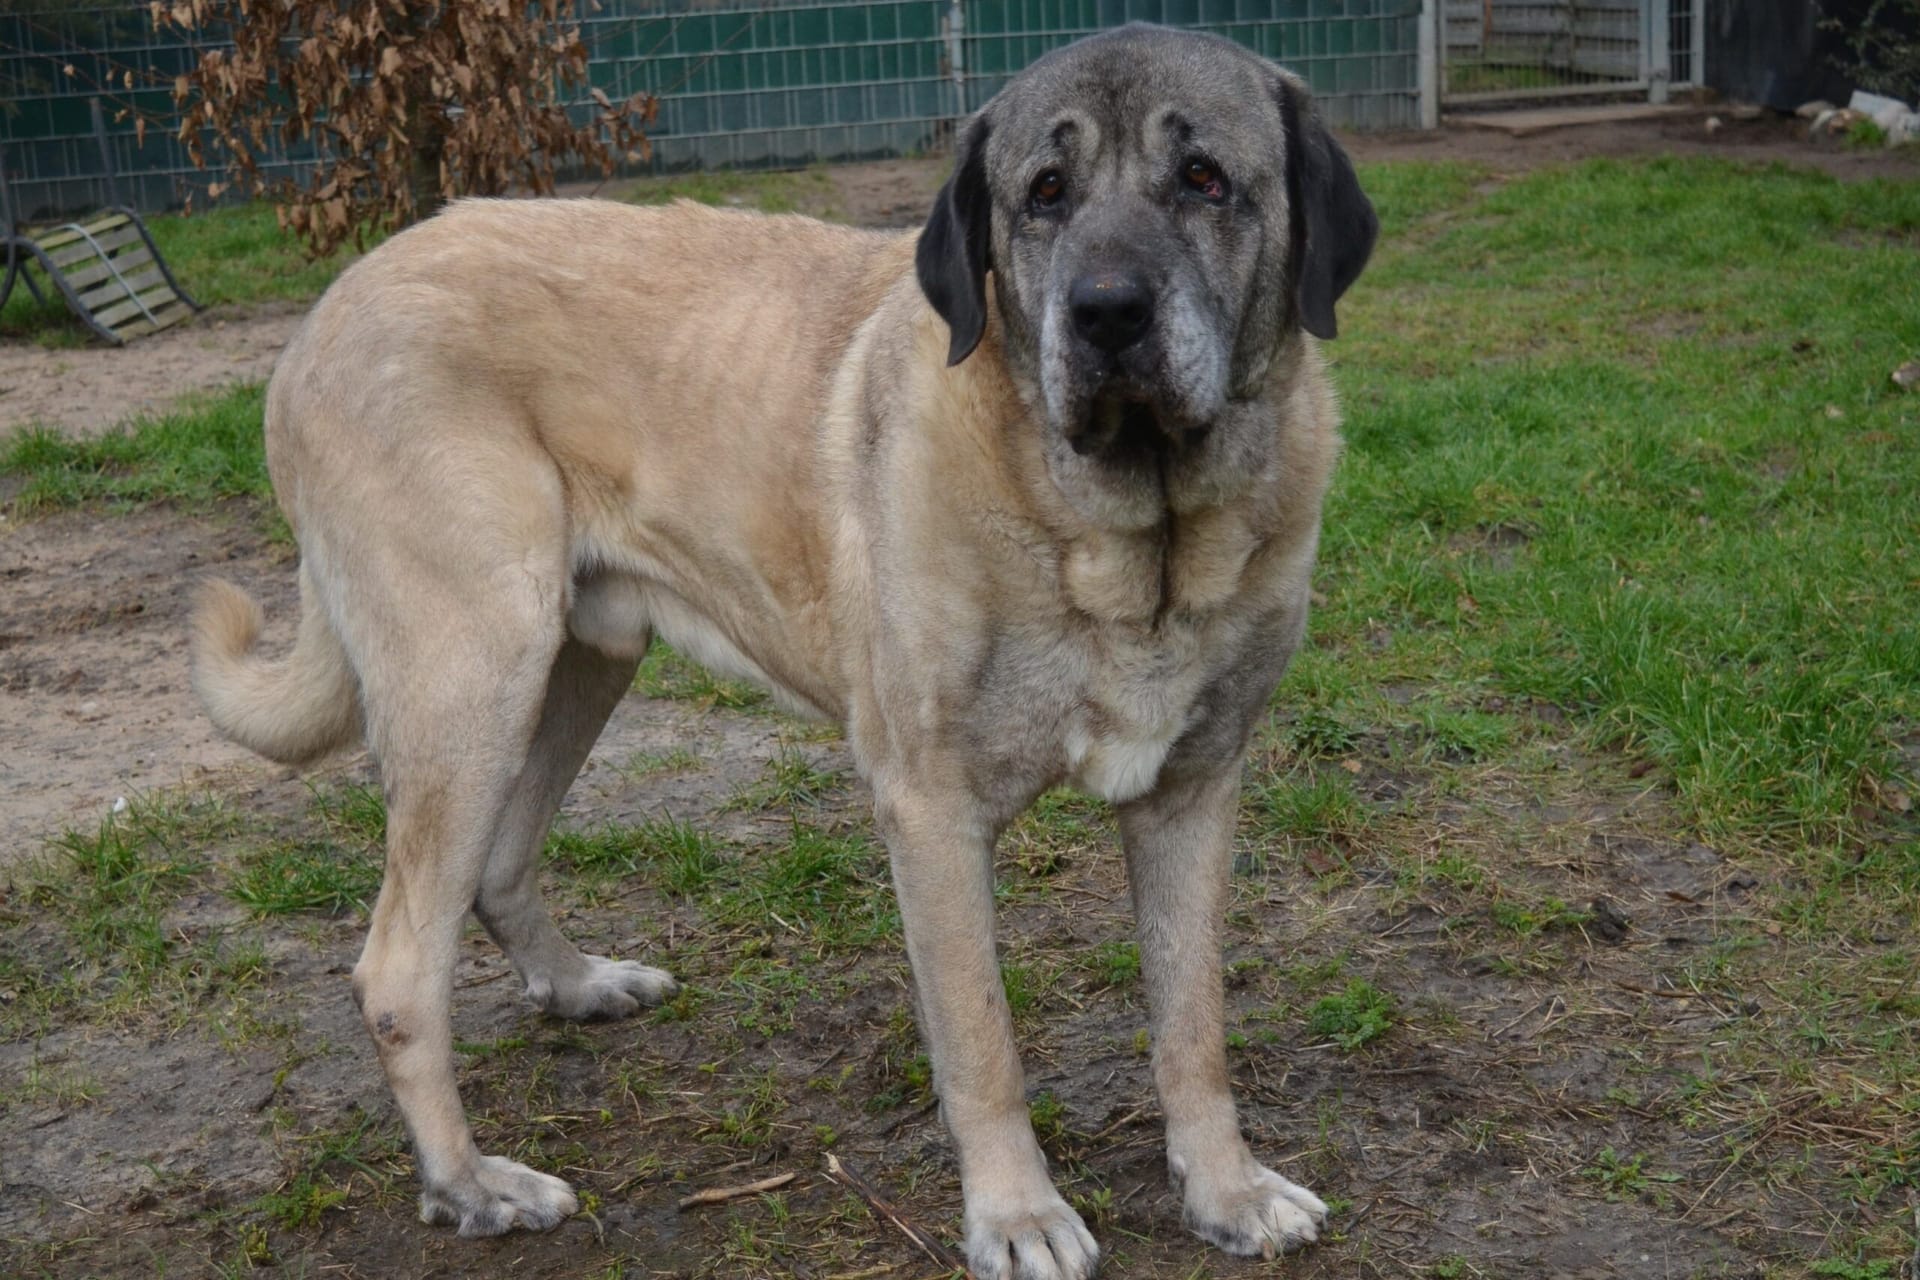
{"points": [[741, 84]]}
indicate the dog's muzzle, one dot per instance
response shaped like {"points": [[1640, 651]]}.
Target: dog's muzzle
{"points": [[1123, 425], [1123, 407]]}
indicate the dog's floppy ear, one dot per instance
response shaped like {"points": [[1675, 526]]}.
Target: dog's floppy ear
{"points": [[1333, 225], [952, 257]]}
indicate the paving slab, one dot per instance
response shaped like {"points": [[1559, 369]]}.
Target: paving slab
{"points": [[1520, 124]]}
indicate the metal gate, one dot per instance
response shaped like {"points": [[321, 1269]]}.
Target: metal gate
{"points": [[1493, 50]]}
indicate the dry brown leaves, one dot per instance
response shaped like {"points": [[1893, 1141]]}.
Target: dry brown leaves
{"points": [[404, 105]]}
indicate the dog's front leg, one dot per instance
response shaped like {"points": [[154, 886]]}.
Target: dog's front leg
{"points": [[1179, 844], [1018, 1227]]}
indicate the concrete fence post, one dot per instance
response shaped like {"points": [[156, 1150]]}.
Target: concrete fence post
{"points": [[1656, 46], [1431, 16]]}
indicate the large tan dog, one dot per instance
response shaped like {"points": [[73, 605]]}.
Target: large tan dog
{"points": [[1030, 498]]}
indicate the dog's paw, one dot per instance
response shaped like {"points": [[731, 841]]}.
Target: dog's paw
{"points": [[499, 1197], [1039, 1239], [602, 989], [1253, 1212]]}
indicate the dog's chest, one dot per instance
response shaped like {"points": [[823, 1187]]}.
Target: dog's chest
{"points": [[1147, 656], [1138, 691]]}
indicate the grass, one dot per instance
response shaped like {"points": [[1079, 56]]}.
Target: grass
{"points": [[1526, 921], [648, 764], [1621, 1177], [95, 930], [685, 859], [331, 873], [665, 674], [790, 779], [112, 887], [808, 191], [1712, 582], [828, 888], [1114, 963], [1323, 807], [301, 1203], [1058, 829], [303, 875], [354, 811], [1866, 135], [206, 449], [1353, 1017]]}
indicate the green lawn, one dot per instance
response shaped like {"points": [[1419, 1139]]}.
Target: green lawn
{"points": [[206, 448], [1623, 439], [808, 191]]}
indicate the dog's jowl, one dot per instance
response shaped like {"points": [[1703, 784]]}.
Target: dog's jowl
{"points": [[1029, 498]]}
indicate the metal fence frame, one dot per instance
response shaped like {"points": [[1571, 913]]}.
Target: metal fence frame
{"points": [[742, 83], [1521, 50]]}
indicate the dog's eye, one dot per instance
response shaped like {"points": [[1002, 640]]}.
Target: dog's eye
{"points": [[1203, 179], [1048, 188]]}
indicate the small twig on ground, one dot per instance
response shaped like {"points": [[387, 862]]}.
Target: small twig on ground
{"points": [[1517, 1021], [940, 1253], [720, 1195], [1665, 993], [865, 1273], [915, 1114], [1126, 1119]]}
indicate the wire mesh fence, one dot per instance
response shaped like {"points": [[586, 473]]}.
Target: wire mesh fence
{"points": [[1517, 49], [741, 83], [1501, 48], [1686, 56]]}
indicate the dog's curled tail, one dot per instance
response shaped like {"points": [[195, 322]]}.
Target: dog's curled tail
{"points": [[293, 709]]}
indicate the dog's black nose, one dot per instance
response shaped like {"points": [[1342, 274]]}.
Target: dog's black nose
{"points": [[1110, 310]]}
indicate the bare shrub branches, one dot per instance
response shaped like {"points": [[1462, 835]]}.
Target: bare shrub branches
{"points": [[406, 105]]}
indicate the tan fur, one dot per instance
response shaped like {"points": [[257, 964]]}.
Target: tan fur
{"points": [[295, 710], [520, 438]]}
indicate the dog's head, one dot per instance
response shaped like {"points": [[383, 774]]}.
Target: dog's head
{"points": [[1160, 210]]}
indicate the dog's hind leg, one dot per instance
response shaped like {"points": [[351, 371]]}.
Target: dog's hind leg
{"points": [[582, 691], [453, 625], [444, 804]]}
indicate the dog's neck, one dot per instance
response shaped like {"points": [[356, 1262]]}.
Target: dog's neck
{"points": [[1188, 566], [1181, 561]]}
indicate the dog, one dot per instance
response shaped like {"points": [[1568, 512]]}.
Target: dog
{"points": [[1030, 498]]}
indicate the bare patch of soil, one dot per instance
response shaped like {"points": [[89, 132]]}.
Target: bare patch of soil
{"points": [[93, 668], [86, 390], [888, 193], [1768, 139]]}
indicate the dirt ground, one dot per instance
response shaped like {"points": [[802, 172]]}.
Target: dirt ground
{"points": [[1766, 139], [87, 390], [154, 1155]]}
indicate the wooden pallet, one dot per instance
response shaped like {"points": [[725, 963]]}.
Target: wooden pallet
{"points": [[105, 265], [107, 268]]}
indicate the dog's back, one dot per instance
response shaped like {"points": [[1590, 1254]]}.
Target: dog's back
{"points": [[584, 321]]}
